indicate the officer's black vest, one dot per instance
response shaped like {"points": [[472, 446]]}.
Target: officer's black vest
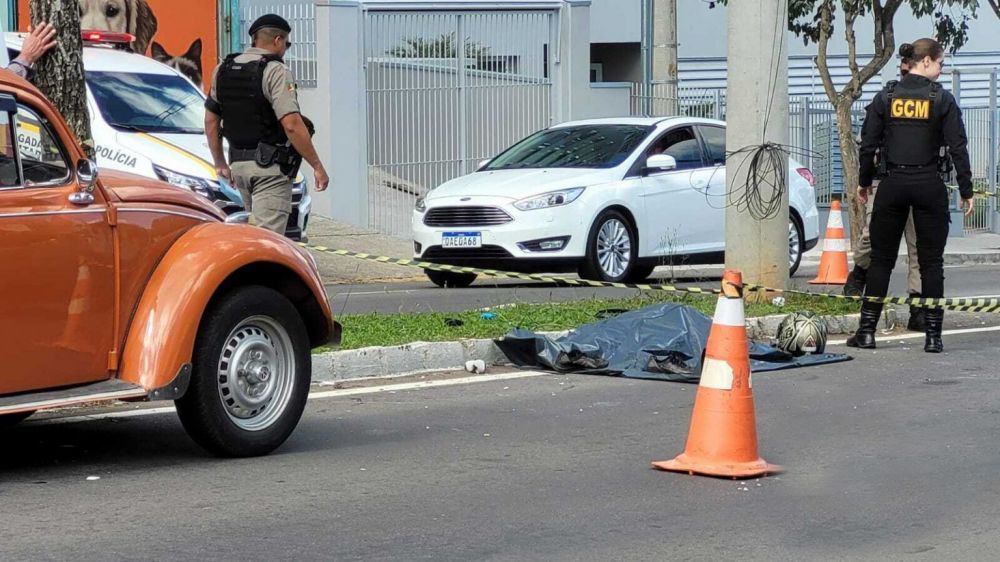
{"points": [[247, 117], [913, 123]]}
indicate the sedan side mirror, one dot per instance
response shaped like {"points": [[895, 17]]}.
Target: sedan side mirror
{"points": [[483, 164], [86, 172], [660, 163]]}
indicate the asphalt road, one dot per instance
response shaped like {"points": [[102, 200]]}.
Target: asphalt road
{"points": [[425, 297], [890, 456]]}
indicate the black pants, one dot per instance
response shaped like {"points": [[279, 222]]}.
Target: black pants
{"points": [[926, 194]]}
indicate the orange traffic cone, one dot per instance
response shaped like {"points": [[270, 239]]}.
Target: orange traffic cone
{"points": [[722, 440], [833, 264]]}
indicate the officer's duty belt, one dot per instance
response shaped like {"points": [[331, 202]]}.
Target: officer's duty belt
{"points": [[242, 155], [930, 166]]}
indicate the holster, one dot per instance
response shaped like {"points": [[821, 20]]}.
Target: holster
{"points": [[267, 155], [881, 164]]}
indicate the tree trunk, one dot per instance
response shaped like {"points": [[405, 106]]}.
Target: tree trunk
{"points": [[59, 74], [849, 160]]}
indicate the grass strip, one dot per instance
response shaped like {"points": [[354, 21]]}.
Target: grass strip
{"points": [[374, 329]]}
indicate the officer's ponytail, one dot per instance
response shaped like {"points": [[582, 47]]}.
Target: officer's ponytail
{"points": [[912, 53]]}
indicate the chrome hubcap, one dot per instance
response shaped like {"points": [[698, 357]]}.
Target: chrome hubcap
{"points": [[794, 245], [255, 373], [614, 248]]}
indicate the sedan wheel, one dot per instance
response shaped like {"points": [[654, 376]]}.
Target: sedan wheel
{"points": [[794, 246], [611, 249]]}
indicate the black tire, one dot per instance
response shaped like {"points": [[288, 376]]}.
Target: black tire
{"points": [[591, 267], [10, 420], [641, 272], [241, 337], [450, 279], [794, 263]]}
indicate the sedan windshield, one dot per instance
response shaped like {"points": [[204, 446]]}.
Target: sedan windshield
{"points": [[584, 146], [151, 103]]}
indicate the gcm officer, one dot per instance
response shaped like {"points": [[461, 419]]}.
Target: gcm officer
{"points": [[907, 123]]}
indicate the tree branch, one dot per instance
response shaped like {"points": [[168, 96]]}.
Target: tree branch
{"points": [[995, 6], [825, 28], [853, 86]]}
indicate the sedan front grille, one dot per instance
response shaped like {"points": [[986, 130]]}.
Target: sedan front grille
{"points": [[466, 216]]}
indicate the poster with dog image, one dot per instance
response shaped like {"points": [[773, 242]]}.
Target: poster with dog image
{"points": [[180, 33]]}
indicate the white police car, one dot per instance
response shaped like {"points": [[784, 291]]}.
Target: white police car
{"points": [[149, 119]]}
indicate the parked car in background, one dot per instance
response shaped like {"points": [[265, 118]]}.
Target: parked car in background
{"points": [[608, 198], [125, 287], [149, 119]]}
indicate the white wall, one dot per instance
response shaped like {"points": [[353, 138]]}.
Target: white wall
{"points": [[616, 21]]}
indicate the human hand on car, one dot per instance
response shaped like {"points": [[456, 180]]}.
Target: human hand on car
{"points": [[224, 172], [39, 41]]}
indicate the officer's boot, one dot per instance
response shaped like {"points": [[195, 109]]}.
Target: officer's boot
{"points": [[864, 338], [855, 285], [917, 315], [934, 318]]}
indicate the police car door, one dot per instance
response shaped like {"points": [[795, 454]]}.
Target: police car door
{"points": [[673, 200]]}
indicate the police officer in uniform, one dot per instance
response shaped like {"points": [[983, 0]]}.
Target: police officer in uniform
{"points": [[254, 105], [855, 285], [907, 123]]}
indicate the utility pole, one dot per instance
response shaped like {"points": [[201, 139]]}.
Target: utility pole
{"points": [[757, 113], [665, 52]]}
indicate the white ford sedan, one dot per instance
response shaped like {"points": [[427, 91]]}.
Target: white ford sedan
{"points": [[608, 198]]}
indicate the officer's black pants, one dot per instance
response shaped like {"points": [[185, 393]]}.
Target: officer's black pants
{"points": [[926, 194]]}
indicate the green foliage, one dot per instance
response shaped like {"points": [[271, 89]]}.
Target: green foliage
{"points": [[374, 329], [441, 47], [951, 28]]}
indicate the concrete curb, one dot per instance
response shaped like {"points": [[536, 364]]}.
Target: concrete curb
{"points": [[417, 357]]}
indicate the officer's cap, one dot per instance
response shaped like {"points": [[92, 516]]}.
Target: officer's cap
{"points": [[270, 20]]}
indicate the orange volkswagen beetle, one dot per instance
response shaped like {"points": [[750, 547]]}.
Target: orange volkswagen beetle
{"points": [[122, 287]]}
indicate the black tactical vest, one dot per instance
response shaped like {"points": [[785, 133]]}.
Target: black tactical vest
{"points": [[247, 117], [913, 123]]}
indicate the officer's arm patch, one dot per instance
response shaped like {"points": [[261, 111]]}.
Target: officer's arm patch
{"points": [[904, 108]]}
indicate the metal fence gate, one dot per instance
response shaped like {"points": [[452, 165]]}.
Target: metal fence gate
{"points": [[301, 15], [445, 90], [813, 133]]}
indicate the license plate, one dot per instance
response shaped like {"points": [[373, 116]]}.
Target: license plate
{"points": [[462, 240]]}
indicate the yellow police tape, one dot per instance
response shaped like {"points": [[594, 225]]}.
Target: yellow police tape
{"points": [[957, 304], [980, 192]]}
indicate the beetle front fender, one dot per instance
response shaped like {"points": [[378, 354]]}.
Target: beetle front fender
{"points": [[206, 259]]}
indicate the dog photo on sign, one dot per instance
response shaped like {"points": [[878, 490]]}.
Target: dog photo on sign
{"points": [[188, 64], [120, 16]]}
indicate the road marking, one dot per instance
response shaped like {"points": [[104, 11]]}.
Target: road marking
{"points": [[912, 335], [313, 395]]}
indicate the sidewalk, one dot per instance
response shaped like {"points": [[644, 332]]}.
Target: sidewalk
{"points": [[982, 248], [973, 249], [344, 270]]}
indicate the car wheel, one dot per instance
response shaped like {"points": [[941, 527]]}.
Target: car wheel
{"points": [[450, 279], [795, 246], [251, 374], [612, 249], [10, 420], [641, 272]]}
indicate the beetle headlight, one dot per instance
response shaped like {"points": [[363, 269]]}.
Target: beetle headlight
{"points": [[197, 185], [551, 199]]}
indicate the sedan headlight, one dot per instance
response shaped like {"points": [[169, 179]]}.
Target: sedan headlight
{"points": [[421, 205], [197, 185], [551, 199]]}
